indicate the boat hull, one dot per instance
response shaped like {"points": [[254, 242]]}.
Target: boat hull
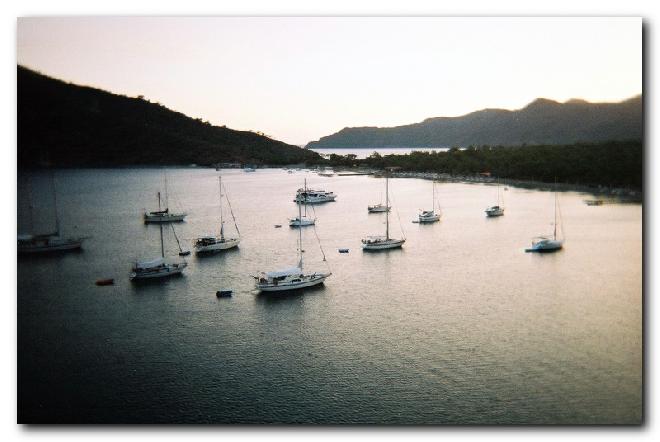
{"points": [[429, 219], [315, 200], [494, 214], [378, 209], [173, 218], [48, 248], [385, 245], [164, 272], [284, 287], [217, 247], [494, 211], [546, 247], [303, 223]]}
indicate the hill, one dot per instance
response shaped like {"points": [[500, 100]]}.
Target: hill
{"points": [[67, 125], [542, 122]]}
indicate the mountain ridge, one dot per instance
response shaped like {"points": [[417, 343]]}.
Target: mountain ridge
{"points": [[542, 121]]}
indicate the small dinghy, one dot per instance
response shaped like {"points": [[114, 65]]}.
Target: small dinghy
{"points": [[223, 293], [107, 281], [186, 253], [343, 250]]}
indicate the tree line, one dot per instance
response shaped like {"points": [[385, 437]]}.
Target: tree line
{"points": [[616, 163]]}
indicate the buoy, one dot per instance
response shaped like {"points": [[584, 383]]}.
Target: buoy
{"points": [[223, 293], [108, 281]]}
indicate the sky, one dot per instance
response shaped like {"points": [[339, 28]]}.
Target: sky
{"points": [[300, 78]]}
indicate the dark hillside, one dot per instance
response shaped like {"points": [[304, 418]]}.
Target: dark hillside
{"points": [[66, 125]]}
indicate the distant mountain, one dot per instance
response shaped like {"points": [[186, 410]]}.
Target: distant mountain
{"points": [[62, 124], [541, 122]]}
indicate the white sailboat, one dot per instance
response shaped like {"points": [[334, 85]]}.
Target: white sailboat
{"points": [[49, 242], [380, 207], [544, 244], [304, 220], [498, 209], [211, 243], [292, 278], [163, 215], [430, 216], [158, 267], [373, 243]]}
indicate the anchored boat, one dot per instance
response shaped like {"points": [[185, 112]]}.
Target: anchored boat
{"points": [[302, 220], [374, 243], [310, 196], [292, 278], [163, 215], [544, 244], [49, 242], [498, 209], [211, 243], [158, 267], [430, 216]]}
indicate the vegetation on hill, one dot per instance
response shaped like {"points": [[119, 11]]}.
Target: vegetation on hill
{"points": [[66, 125], [542, 122], [615, 164]]}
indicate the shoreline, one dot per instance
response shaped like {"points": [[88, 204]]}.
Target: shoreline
{"points": [[621, 193]]}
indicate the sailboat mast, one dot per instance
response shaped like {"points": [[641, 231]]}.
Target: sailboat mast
{"points": [[167, 200], [162, 247], [433, 202], [159, 201], [57, 218], [300, 245], [30, 214], [555, 223], [305, 201], [387, 208], [222, 224]]}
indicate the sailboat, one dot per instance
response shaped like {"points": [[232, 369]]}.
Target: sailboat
{"points": [[292, 278], [210, 244], [430, 216], [163, 215], [383, 242], [49, 242], [157, 268], [379, 208], [543, 244], [304, 220], [496, 210]]}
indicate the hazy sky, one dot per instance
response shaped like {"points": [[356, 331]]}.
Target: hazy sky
{"points": [[298, 79]]}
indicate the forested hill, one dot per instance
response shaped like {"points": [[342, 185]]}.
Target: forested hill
{"points": [[543, 121], [62, 124]]}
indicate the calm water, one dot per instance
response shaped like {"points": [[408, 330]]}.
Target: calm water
{"points": [[365, 152], [460, 326]]}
